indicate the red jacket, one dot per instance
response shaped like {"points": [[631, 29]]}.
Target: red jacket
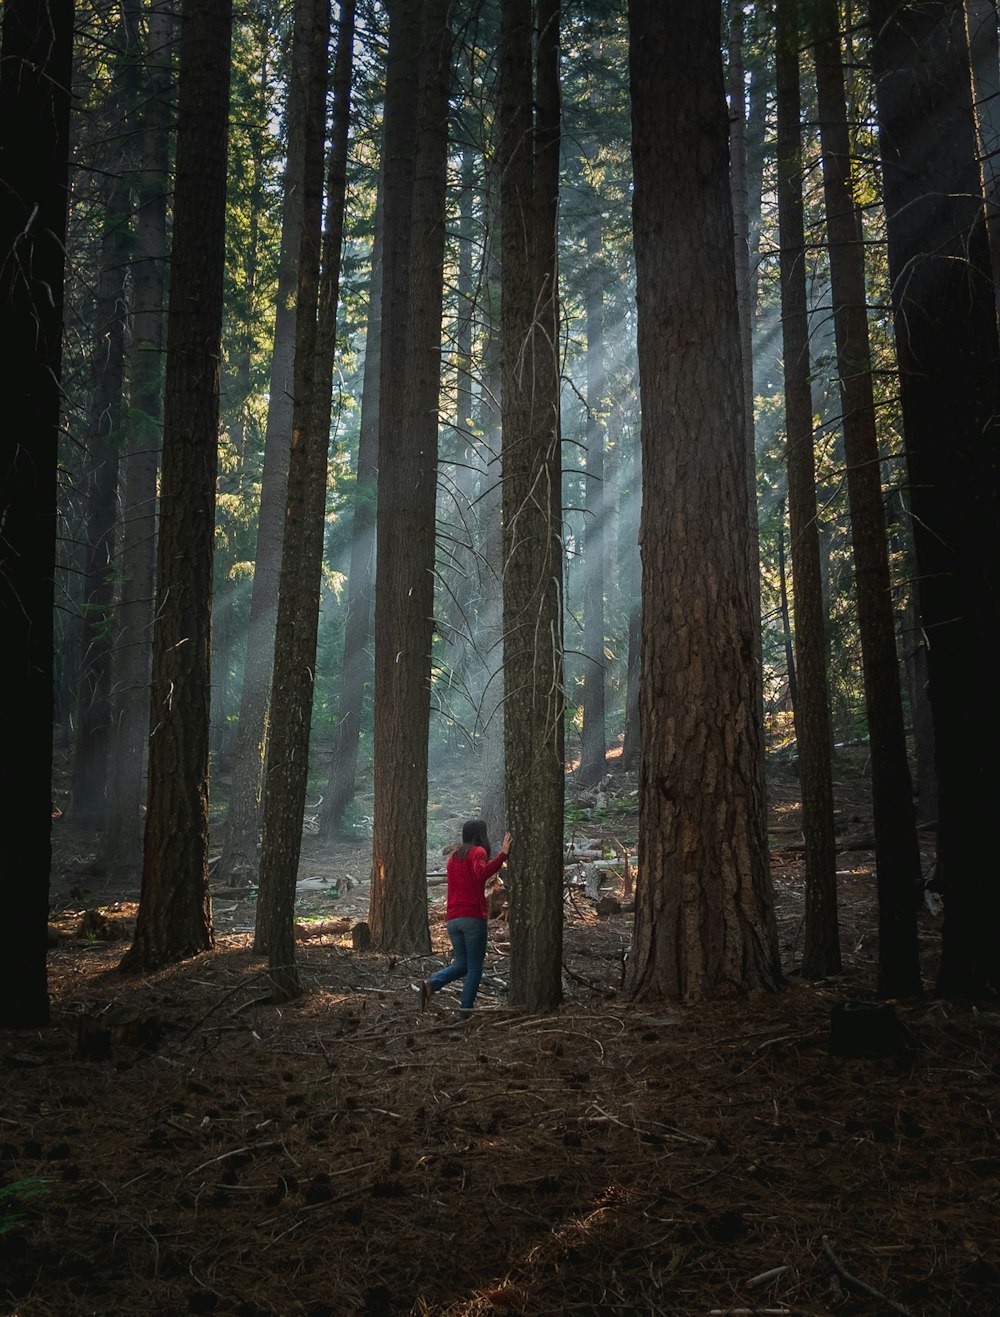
{"points": [[467, 878]]}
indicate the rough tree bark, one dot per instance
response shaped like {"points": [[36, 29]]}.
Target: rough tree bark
{"points": [[704, 911], [305, 519], [175, 918], [414, 190], [532, 497]]}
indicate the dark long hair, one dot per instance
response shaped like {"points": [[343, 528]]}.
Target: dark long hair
{"points": [[473, 834]]}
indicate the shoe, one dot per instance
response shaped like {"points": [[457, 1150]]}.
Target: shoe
{"points": [[426, 993]]}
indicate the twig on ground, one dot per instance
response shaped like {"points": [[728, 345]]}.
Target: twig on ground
{"points": [[856, 1284], [765, 1276], [233, 1152], [249, 978]]}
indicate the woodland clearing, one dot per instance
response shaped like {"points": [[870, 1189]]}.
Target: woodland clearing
{"points": [[174, 1144]]}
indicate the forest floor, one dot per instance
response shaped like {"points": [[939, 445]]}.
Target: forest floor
{"points": [[175, 1144]]}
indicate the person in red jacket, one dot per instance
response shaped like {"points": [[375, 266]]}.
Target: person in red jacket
{"points": [[469, 870]]}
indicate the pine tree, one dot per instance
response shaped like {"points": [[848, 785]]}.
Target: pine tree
{"points": [[174, 918], [704, 914], [532, 496]]}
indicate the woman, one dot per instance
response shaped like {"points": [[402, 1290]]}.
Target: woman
{"points": [[469, 869]]}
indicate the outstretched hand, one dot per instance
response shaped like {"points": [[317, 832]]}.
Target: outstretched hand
{"points": [[506, 843]]}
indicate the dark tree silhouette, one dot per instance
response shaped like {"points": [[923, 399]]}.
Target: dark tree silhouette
{"points": [[36, 44], [897, 855], [814, 741], [947, 349]]}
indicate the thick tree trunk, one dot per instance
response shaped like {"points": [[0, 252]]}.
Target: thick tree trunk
{"points": [[36, 45], [175, 908], [532, 497], [415, 184], [821, 953], [704, 915], [947, 349], [897, 855]]}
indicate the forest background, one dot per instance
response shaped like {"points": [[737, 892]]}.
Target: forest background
{"points": [[380, 330], [865, 331]]}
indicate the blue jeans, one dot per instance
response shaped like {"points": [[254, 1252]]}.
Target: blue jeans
{"points": [[468, 938]]}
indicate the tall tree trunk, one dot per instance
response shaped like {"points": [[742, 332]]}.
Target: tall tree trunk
{"points": [[947, 350], [36, 45], [122, 847], [897, 855], [704, 911], [118, 156], [746, 286], [821, 954], [305, 520], [594, 744], [175, 919], [355, 667], [532, 497], [415, 185], [490, 714], [90, 758], [240, 857]]}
